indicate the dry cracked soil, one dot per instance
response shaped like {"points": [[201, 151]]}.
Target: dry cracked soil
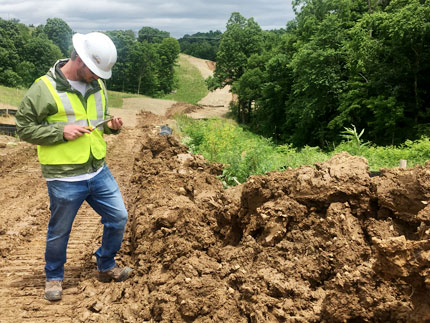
{"points": [[327, 243]]}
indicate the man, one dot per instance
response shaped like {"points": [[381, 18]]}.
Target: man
{"points": [[60, 113]]}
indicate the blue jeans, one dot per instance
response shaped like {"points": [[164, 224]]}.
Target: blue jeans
{"points": [[103, 195]]}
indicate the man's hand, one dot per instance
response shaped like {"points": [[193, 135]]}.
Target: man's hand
{"points": [[115, 123], [72, 132]]}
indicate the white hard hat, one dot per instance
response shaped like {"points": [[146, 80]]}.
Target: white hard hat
{"points": [[97, 51]]}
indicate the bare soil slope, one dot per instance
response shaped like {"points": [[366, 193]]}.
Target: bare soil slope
{"points": [[325, 243]]}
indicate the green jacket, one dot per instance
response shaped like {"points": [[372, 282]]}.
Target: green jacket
{"points": [[31, 126]]}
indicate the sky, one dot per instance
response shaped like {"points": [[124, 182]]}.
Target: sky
{"points": [[174, 16]]}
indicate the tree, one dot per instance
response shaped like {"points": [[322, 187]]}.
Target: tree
{"points": [[152, 35], [242, 38], [13, 36], [27, 73], [168, 52], [60, 33], [388, 59], [270, 113], [143, 68], [9, 53], [201, 45], [42, 54], [319, 67], [124, 41]]}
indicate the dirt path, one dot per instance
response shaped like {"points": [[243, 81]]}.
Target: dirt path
{"points": [[326, 243], [216, 103]]}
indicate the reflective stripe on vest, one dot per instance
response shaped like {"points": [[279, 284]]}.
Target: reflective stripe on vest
{"points": [[71, 111]]}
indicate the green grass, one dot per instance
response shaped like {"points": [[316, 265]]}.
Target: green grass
{"points": [[11, 96], [191, 85], [116, 98], [246, 154]]}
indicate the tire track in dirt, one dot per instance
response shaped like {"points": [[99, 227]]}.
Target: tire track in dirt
{"points": [[22, 291], [23, 196], [22, 264]]}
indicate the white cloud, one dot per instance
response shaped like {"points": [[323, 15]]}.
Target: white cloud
{"points": [[176, 17]]}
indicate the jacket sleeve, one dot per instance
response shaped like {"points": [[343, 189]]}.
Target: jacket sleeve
{"points": [[33, 110]]}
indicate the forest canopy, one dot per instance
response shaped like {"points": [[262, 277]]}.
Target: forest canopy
{"points": [[338, 63]]}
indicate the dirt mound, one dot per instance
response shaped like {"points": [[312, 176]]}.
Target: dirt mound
{"points": [[181, 108], [324, 243]]}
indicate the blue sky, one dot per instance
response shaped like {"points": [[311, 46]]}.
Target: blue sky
{"points": [[174, 16]]}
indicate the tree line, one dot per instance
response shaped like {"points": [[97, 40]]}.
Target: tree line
{"points": [[145, 61], [338, 63], [201, 45]]}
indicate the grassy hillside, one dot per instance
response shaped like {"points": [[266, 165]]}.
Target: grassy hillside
{"points": [[191, 85], [11, 96]]}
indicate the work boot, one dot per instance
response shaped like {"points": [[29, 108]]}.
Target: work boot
{"points": [[117, 274], [53, 290]]}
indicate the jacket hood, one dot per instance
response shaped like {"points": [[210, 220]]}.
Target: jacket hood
{"points": [[61, 81]]}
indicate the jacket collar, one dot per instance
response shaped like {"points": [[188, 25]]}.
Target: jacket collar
{"points": [[61, 82]]}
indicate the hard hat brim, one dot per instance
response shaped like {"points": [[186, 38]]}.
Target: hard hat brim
{"points": [[79, 45]]}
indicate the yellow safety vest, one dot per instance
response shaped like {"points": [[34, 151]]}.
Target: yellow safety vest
{"points": [[71, 111]]}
